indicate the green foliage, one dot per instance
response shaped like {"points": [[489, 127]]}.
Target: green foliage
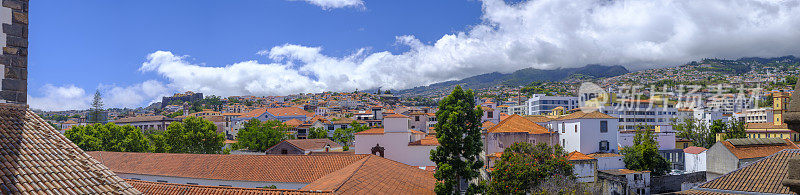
{"points": [[766, 103], [643, 155], [459, 135], [791, 80], [317, 133], [270, 187], [175, 114], [194, 135], [56, 117], [697, 131], [96, 113], [735, 129], [522, 167], [54, 125], [108, 137], [260, 136], [345, 136], [158, 142]]}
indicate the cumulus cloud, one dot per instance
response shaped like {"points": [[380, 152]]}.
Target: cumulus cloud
{"points": [[542, 34], [134, 96], [332, 4], [67, 97]]}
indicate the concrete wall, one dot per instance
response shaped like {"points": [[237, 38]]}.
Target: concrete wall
{"points": [[211, 182], [719, 160], [585, 170], [14, 61], [606, 163], [674, 183]]}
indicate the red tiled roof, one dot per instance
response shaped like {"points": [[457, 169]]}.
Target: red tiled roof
{"points": [[538, 118], [396, 116], [750, 126], [376, 175], [36, 159], [590, 115], [149, 187], [429, 140], [757, 151], [575, 155], [289, 111], [602, 155], [273, 168], [293, 123], [516, 123], [763, 176], [487, 124], [371, 131], [694, 150]]}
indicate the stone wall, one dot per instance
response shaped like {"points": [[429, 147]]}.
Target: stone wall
{"points": [[14, 61], [674, 183]]}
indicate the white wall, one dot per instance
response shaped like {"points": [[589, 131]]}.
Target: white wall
{"points": [[395, 148], [395, 124], [695, 162], [211, 182], [606, 163], [666, 140], [585, 171], [587, 138]]}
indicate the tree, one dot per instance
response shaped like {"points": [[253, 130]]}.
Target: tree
{"points": [[346, 136], [194, 135], [523, 167], [459, 135], [317, 133], [108, 137], [643, 155], [175, 114], [260, 136], [95, 115], [158, 143], [735, 129], [697, 131]]}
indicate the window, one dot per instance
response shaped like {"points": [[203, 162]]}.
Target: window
{"points": [[563, 128], [330, 128], [637, 176], [490, 114], [416, 118], [603, 145], [685, 145], [563, 142], [284, 151], [603, 126], [162, 181], [576, 128], [192, 183]]}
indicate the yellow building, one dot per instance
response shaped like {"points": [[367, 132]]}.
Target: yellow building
{"points": [[777, 128], [681, 143]]}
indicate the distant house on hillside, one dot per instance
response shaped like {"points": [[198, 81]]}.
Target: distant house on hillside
{"points": [[397, 141], [304, 146]]}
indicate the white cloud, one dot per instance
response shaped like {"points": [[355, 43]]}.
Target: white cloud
{"points": [[541, 34], [133, 96], [67, 97], [332, 4]]}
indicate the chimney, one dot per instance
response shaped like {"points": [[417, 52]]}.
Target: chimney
{"points": [[14, 60]]}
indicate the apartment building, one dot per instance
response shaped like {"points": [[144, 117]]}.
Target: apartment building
{"points": [[541, 104]]}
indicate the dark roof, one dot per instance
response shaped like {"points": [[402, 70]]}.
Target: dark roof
{"points": [[37, 159], [762, 176], [312, 144]]}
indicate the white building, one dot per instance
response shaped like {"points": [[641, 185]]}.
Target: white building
{"points": [[514, 129], [541, 104], [695, 159], [518, 110], [489, 112], [665, 137], [398, 142], [758, 115], [587, 132], [630, 116], [585, 167]]}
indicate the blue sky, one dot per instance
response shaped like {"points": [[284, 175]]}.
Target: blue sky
{"points": [[136, 51]]}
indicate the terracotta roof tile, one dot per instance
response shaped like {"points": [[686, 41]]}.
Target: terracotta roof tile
{"points": [[575, 155], [371, 131], [694, 150], [603, 155], [757, 151], [765, 126], [516, 123], [36, 159], [538, 118], [590, 115], [274, 168], [293, 123], [376, 175], [487, 124], [762, 176], [149, 187], [396, 116], [429, 140]]}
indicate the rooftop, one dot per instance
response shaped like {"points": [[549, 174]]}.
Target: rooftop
{"points": [[515, 124], [762, 176], [757, 147]]}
